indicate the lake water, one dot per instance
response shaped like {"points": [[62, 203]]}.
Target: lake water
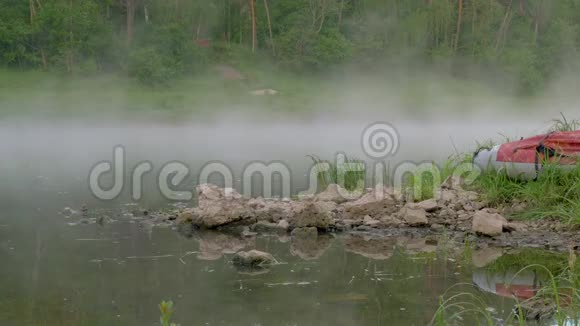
{"points": [[56, 271]]}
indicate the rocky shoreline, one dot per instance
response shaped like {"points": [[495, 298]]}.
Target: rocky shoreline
{"points": [[379, 213]]}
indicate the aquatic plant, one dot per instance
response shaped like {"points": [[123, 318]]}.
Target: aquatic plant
{"points": [[166, 309]]}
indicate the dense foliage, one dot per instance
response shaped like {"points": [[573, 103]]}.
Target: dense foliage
{"points": [[157, 40]]}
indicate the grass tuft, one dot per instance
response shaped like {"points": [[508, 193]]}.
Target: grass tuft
{"points": [[353, 170], [563, 124]]}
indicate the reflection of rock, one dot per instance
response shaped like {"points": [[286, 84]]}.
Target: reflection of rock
{"points": [[307, 232], [487, 223], [417, 245], [251, 271], [486, 256], [253, 258], [375, 248], [186, 230], [307, 244], [213, 245]]}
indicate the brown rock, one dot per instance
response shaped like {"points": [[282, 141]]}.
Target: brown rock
{"points": [[312, 214], [374, 203], [218, 207], [333, 193], [428, 205], [414, 216], [185, 216], [487, 223]]}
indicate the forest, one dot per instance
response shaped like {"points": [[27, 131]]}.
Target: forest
{"points": [[157, 41]]}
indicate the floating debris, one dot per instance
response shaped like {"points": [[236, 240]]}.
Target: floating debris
{"points": [[68, 212], [84, 210], [118, 261], [265, 91], [290, 283]]}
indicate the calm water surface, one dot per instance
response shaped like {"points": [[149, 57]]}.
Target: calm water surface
{"points": [[57, 272]]}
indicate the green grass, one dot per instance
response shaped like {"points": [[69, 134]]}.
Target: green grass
{"points": [[563, 124], [43, 94], [39, 94], [555, 194], [423, 183], [352, 180]]}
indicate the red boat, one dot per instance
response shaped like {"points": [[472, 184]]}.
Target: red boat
{"points": [[526, 158]]}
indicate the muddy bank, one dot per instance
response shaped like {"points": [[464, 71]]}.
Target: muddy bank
{"points": [[380, 211]]}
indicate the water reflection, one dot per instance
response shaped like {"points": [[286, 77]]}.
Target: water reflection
{"points": [[119, 277]]}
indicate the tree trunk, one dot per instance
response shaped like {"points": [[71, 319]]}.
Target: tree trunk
{"points": [[32, 11], [44, 59], [270, 27], [229, 20], [537, 18], [459, 17], [130, 20], [69, 55], [503, 26], [340, 9], [253, 16], [198, 29], [322, 16]]}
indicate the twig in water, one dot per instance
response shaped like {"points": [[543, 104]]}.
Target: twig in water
{"points": [[111, 239], [150, 257]]}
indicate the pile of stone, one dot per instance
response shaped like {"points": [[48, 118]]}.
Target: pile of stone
{"points": [[332, 210]]}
